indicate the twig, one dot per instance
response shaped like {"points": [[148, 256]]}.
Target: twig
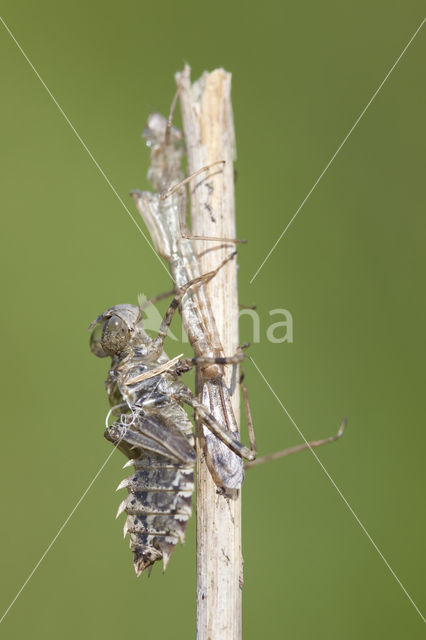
{"points": [[209, 133]]}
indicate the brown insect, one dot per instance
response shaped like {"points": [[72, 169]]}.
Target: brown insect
{"points": [[152, 427]]}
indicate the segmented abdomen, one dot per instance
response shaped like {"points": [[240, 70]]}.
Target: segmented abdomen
{"points": [[159, 501]]}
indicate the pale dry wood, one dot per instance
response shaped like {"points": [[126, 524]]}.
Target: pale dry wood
{"points": [[209, 133]]}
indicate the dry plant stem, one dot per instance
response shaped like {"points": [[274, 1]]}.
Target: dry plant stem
{"points": [[209, 133]]}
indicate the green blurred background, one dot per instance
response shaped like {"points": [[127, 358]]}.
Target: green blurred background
{"points": [[350, 269]]}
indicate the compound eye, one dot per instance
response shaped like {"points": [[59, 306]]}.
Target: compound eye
{"points": [[114, 323], [115, 335], [96, 341]]}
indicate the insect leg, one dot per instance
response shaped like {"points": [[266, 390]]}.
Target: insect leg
{"points": [[155, 299], [188, 236], [158, 341], [170, 118], [215, 427], [184, 230], [247, 410], [179, 365], [185, 364], [300, 447], [182, 183]]}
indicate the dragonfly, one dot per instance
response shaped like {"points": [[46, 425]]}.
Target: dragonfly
{"points": [[151, 426]]}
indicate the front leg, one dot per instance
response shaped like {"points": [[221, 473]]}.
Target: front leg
{"points": [[157, 343]]}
